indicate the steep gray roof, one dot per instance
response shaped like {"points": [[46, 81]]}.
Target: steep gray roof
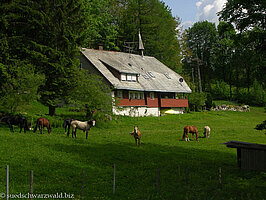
{"points": [[136, 64]]}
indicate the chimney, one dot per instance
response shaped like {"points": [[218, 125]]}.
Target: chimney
{"points": [[141, 46]]}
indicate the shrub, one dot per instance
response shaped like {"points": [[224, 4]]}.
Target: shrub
{"points": [[220, 90], [196, 101], [255, 96]]}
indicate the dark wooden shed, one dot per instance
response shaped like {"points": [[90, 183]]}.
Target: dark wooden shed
{"points": [[250, 156]]}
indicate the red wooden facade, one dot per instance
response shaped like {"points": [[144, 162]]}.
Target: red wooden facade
{"points": [[167, 103], [151, 100]]}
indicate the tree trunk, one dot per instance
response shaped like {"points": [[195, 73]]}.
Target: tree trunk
{"points": [[51, 110]]}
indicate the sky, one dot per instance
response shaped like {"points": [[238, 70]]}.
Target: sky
{"points": [[191, 11]]}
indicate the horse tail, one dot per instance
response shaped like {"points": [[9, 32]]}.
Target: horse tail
{"points": [[37, 125]]}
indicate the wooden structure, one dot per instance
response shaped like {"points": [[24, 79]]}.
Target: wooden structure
{"points": [[250, 156]]}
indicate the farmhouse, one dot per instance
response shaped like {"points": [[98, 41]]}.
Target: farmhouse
{"points": [[143, 85]]}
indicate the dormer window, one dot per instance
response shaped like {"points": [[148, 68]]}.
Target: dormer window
{"points": [[129, 77]]}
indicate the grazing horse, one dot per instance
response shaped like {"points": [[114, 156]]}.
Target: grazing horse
{"points": [[67, 124], [16, 120], [190, 129], [85, 126], [41, 123], [207, 131], [137, 135]]}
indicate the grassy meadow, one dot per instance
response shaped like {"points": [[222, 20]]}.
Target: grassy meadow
{"points": [[58, 162]]}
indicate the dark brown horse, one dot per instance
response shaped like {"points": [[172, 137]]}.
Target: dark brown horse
{"points": [[190, 129], [41, 123], [11, 120], [137, 135]]}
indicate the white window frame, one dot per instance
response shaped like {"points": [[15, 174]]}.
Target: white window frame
{"points": [[123, 77], [134, 77], [129, 77]]}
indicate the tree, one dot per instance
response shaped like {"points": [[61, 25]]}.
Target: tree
{"points": [[102, 24], [249, 18], [245, 14], [158, 28], [19, 81], [90, 93], [19, 85], [224, 54], [200, 40], [46, 35]]}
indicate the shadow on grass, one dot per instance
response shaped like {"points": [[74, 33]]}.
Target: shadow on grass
{"points": [[136, 171]]}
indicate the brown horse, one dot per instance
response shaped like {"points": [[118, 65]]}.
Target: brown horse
{"points": [[190, 129], [41, 123], [137, 135]]}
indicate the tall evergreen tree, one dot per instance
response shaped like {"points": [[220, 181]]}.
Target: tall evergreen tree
{"points": [[46, 34]]}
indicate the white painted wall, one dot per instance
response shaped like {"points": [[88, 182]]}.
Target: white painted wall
{"points": [[136, 111]]}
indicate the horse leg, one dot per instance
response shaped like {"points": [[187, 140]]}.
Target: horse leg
{"points": [[20, 127], [86, 134], [75, 133], [139, 141], [68, 129], [72, 132], [10, 126], [187, 139]]}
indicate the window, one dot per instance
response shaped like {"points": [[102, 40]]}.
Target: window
{"points": [[136, 95], [120, 94], [132, 95], [152, 95], [151, 74], [145, 76], [129, 77], [123, 77], [167, 76], [134, 77]]}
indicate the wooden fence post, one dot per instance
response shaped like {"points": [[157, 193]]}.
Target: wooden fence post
{"points": [[187, 182], [157, 179], [7, 181], [178, 174], [114, 181], [83, 186], [31, 184], [220, 177]]}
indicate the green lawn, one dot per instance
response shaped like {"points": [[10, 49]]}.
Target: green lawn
{"points": [[58, 162]]}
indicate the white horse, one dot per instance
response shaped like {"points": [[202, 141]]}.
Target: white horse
{"points": [[85, 126], [207, 131]]}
